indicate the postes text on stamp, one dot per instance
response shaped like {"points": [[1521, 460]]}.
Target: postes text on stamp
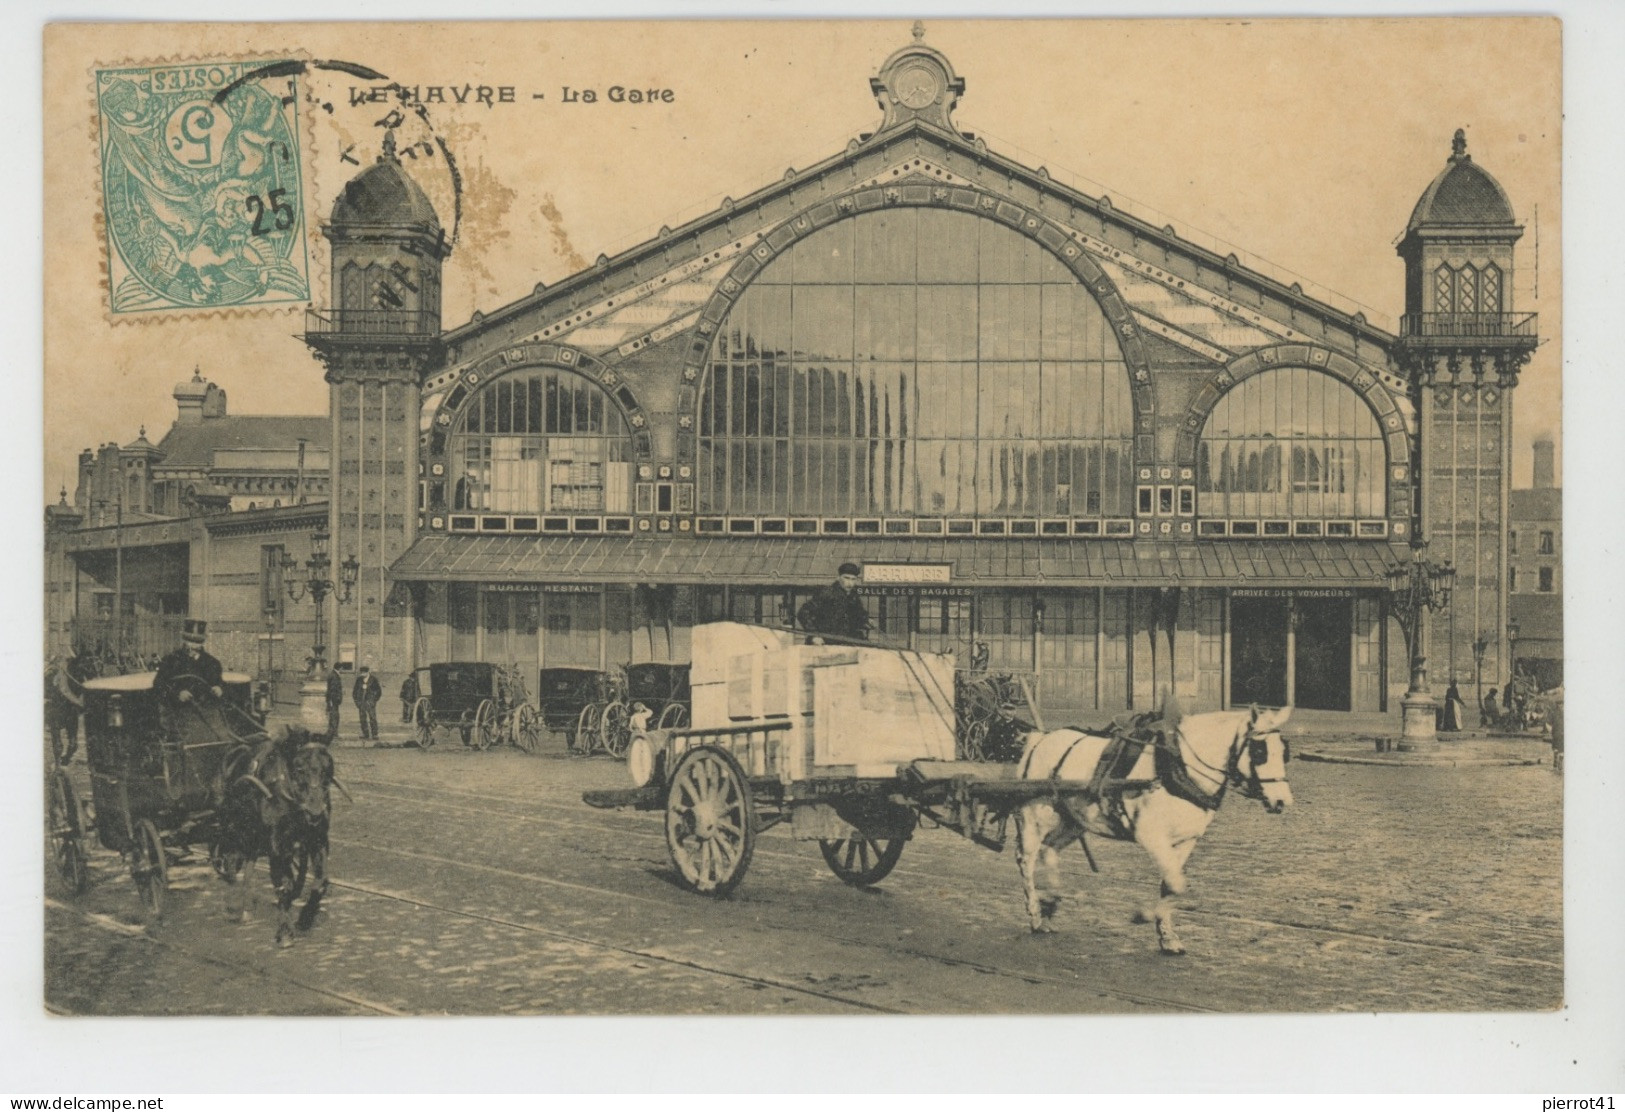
{"points": [[202, 186]]}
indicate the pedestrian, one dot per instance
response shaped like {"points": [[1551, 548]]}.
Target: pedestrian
{"points": [[1454, 709], [367, 692], [409, 696], [190, 671], [64, 701], [836, 610], [1489, 714], [335, 700]]}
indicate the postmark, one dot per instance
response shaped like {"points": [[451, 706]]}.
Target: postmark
{"points": [[202, 187]]}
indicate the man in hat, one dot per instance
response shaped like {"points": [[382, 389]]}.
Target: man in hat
{"points": [[189, 671], [367, 692], [335, 700], [836, 610]]}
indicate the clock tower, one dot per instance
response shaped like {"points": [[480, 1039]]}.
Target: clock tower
{"points": [[377, 341]]}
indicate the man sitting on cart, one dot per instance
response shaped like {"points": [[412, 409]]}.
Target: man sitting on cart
{"points": [[189, 671], [836, 610]]}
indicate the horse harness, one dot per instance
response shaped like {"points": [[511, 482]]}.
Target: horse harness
{"points": [[1112, 780]]}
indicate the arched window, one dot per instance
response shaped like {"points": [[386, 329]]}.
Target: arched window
{"points": [[1444, 290], [541, 441], [916, 362], [1467, 290], [1489, 289], [1291, 443]]}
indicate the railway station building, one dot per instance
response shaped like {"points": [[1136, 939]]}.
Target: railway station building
{"points": [[1120, 461]]}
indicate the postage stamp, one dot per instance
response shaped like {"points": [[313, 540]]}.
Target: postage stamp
{"points": [[202, 182]]}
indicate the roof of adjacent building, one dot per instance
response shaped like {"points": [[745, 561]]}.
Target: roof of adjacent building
{"points": [[384, 193], [1025, 562], [1463, 193], [195, 445]]}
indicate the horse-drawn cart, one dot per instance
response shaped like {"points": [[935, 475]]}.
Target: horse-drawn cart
{"points": [[854, 746], [484, 702], [159, 769]]}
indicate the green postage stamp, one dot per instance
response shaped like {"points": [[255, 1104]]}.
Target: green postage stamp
{"points": [[202, 185]]}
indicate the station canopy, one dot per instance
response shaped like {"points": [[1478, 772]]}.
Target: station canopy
{"points": [[1001, 562]]}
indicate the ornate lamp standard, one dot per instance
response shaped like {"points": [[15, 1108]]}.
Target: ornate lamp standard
{"points": [[317, 583], [1416, 587], [1481, 646]]}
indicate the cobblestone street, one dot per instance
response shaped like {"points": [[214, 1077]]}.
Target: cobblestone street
{"points": [[470, 883]]}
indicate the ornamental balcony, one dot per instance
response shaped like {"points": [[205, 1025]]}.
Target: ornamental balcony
{"points": [[1516, 331], [387, 325]]}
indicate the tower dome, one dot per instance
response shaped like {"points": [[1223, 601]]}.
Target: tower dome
{"points": [[1463, 193], [385, 194]]}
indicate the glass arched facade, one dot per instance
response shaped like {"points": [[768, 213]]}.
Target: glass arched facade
{"points": [[916, 362], [541, 441], [1291, 443]]}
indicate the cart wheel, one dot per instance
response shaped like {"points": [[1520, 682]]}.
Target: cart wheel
{"points": [[861, 862], [615, 729], [485, 724], [710, 822], [423, 724], [149, 867], [673, 717], [67, 829], [528, 730], [586, 738], [975, 740]]}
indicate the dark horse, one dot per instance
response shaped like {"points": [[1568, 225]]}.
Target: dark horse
{"points": [[277, 804]]}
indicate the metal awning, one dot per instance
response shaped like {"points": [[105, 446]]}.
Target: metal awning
{"points": [[764, 561]]}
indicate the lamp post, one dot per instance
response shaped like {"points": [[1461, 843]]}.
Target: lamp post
{"points": [[1416, 587], [317, 582], [1481, 645]]}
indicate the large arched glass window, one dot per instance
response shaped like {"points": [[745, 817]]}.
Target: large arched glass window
{"points": [[916, 362], [1291, 443], [542, 441]]}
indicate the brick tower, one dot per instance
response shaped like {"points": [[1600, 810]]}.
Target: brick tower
{"points": [[1462, 344], [377, 340]]}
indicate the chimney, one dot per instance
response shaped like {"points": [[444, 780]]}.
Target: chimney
{"points": [[189, 398], [1545, 465]]}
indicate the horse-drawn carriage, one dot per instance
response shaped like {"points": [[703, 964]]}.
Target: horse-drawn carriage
{"points": [[854, 745], [175, 766], [485, 703], [573, 701], [663, 689], [158, 773]]}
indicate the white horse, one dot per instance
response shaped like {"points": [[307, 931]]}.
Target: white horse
{"points": [[1174, 789]]}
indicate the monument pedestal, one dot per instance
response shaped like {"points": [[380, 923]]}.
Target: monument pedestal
{"points": [[1419, 716], [313, 707]]}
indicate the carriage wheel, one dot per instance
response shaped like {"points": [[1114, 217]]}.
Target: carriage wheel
{"points": [[710, 824], [149, 867], [423, 724], [586, 735], [487, 731], [975, 740], [528, 728], [615, 729], [673, 717], [861, 862], [67, 829]]}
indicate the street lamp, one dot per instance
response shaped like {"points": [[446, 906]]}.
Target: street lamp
{"points": [[1481, 645], [318, 584], [1416, 587], [1513, 629]]}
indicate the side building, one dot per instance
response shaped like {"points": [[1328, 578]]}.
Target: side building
{"points": [[1121, 462], [1535, 578], [197, 526]]}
